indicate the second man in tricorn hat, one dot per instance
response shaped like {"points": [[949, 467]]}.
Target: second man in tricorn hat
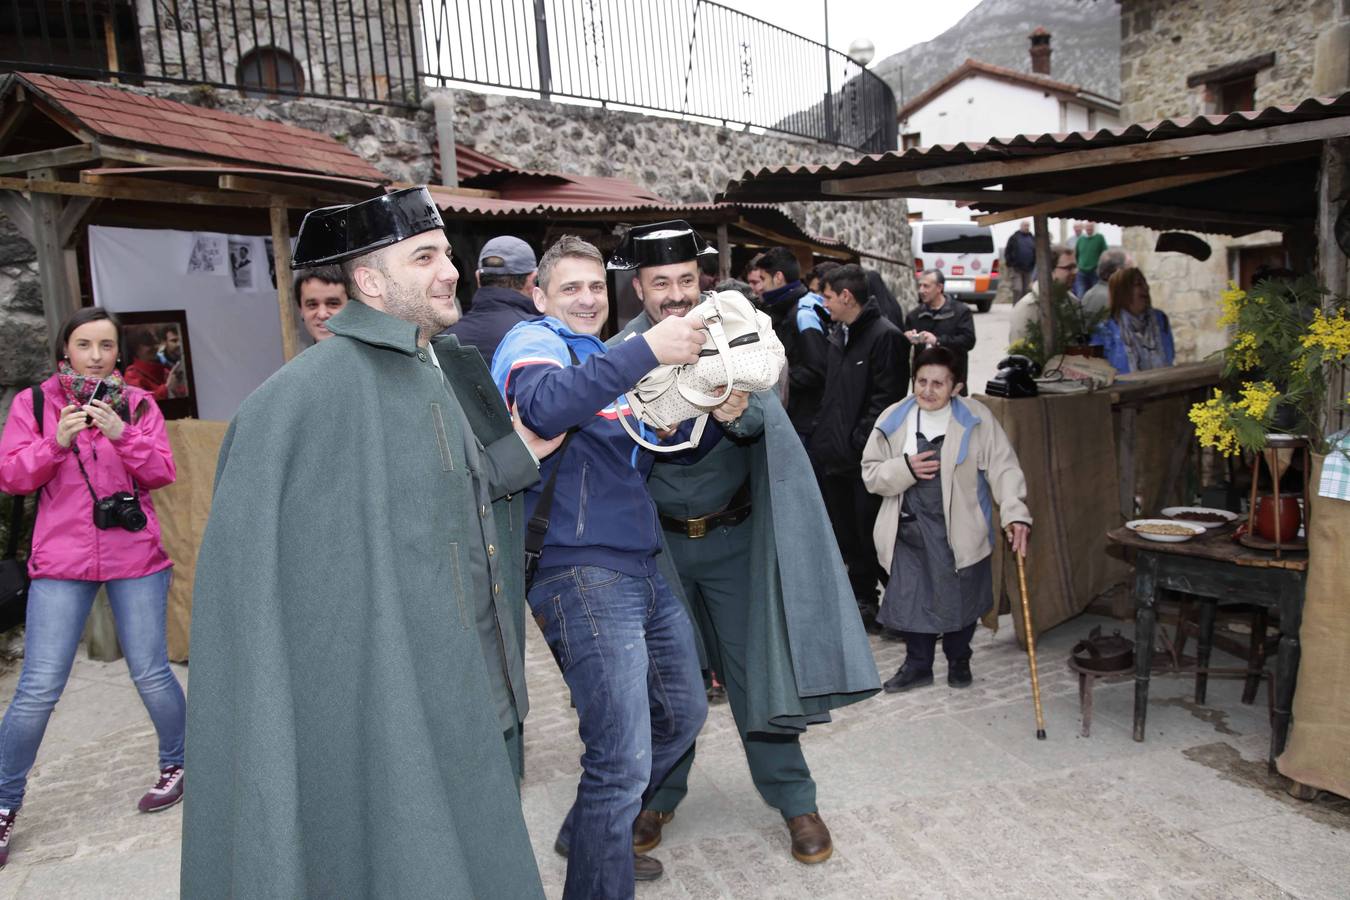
{"points": [[759, 568]]}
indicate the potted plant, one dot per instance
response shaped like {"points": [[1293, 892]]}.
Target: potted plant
{"points": [[1073, 330], [1287, 336]]}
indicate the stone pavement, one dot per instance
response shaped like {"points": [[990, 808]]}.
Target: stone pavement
{"points": [[936, 793]]}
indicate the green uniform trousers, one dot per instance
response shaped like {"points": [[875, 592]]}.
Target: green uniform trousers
{"points": [[712, 571]]}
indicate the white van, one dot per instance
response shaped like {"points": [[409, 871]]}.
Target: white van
{"points": [[964, 253]]}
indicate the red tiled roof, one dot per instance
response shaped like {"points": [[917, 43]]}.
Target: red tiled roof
{"points": [[122, 116], [975, 67]]}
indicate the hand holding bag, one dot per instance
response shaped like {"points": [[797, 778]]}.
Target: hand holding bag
{"points": [[742, 353]]}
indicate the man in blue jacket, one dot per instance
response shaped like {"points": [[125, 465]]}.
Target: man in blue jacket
{"points": [[619, 634], [506, 273]]}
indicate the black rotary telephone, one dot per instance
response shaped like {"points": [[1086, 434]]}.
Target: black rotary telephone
{"points": [[1016, 378]]}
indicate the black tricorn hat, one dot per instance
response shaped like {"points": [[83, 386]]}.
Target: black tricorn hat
{"points": [[336, 233], [659, 244]]}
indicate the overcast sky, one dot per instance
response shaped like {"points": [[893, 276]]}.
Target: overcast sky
{"points": [[892, 25]]}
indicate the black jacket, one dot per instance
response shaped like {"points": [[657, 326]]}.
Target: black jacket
{"points": [[492, 313], [802, 331], [1020, 251], [954, 325], [865, 376]]}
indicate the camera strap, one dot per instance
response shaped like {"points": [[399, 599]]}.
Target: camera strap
{"points": [[74, 448]]}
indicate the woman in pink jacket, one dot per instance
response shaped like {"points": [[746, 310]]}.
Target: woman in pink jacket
{"points": [[93, 463]]}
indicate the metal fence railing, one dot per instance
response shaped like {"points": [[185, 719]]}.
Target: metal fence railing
{"points": [[682, 57]]}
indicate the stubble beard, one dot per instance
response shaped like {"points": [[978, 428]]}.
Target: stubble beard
{"points": [[416, 307]]}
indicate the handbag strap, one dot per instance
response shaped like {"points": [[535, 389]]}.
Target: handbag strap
{"points": [[694, 437], [16, 502]]}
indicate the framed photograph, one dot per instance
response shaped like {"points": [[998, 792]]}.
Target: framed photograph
{"points": [[157, 357]]}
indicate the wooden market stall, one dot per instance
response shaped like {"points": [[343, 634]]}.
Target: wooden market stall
{"points": [[1281, 168]]}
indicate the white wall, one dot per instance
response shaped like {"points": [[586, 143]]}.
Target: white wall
{"points": [[978, 108]]}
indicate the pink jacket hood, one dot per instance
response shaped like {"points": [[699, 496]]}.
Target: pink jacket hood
{"points": [[66, 544]]}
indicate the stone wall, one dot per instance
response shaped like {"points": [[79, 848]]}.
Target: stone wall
{"points": [[1162, 43], [368, 50]]}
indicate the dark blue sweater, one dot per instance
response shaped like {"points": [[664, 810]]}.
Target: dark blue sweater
{"points": [[602, 514]]}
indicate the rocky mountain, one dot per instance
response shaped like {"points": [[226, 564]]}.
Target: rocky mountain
{"points": [[1085, 45]]}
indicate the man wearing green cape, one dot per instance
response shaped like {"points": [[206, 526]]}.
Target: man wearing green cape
{"points": [[759, 569], [356, 637]]}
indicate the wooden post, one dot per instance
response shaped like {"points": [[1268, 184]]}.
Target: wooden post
{"points": [[1045, 264], [1331, 262], [281, 256], [110, 46], [723, 253], [60, 297], [101, 630]]}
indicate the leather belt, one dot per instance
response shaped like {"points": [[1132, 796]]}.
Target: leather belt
{"points": [[737, 511]]}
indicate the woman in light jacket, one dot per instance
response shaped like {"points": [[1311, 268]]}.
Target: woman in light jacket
{"points": [[1135, 336], [937, 460], [84, 451]]}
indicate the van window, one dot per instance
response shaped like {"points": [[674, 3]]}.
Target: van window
{"points": [[957, 238]]}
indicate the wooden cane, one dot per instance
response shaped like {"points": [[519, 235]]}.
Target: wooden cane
{"points": [[1031, 645]]}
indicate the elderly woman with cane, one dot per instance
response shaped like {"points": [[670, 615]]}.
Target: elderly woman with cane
{"points": [[937, 460]]}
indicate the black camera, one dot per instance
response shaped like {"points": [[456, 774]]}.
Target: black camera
{"points": [[119, 511]]}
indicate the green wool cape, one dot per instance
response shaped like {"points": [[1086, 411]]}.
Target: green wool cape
{"points": [[342, 738], [806, 650]]}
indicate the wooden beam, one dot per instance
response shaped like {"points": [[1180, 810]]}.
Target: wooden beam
{"points": [[205, 197], [17, 209], [895, 183], [71, 217], [794, 245], [1045, 283], [115, 153], [281, 254], [1116, 192], [1333, 191], [302, 194], [48, 159], [723, 253], [59, 298]]}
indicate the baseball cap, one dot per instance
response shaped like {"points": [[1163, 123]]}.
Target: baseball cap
{"points": [[506, 255]]}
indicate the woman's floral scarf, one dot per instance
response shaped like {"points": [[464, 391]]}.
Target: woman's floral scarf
{"points": [[78, 388]]}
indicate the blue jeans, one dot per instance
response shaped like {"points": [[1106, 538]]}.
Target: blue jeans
{"points": [[626, 649], [1082, 281], [57, 611]]}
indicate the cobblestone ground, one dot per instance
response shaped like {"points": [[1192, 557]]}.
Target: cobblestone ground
{"points": [[936, 793]]}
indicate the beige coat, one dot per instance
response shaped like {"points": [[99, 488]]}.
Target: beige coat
{"points": [[978, 465]]}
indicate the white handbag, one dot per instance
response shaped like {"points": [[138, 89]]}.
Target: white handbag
{"points": [[742, 353]]}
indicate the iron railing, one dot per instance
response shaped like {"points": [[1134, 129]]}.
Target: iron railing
{"points": [[681, 57]]}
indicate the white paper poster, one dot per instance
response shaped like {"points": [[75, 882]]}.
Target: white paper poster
{"points": [[208, 254]]}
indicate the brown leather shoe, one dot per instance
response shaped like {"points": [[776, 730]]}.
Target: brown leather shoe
{"points": [[646, 869], [810, 839], [647, 829]]}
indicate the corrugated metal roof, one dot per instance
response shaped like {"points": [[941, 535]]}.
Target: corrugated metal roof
{"points": [[121, 116], [802, 182]]}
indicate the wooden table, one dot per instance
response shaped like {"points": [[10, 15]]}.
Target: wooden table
{"points": [[1218, 572]]}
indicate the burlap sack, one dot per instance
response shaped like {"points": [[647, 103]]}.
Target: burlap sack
{"points": [[182, 508], [1067, 452], [1318, 752]]}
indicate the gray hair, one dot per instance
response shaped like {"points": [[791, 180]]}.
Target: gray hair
{"points": [[1112, 261], [937, 276]]}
